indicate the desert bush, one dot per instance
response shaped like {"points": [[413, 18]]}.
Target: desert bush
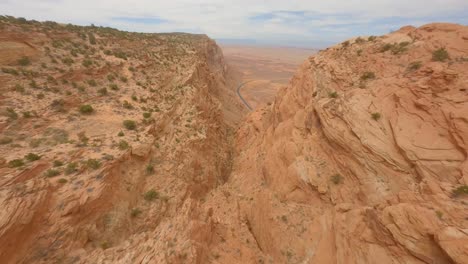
{"points": [[5, 140], [57, 163], [149, 169], [113, 87], [360, 40], [51, 173], [123, 79], [367, 76], [376, 116], [19, 88], [151, 195], [11, 113], [333, 94], [86, 109], [121, 134], [134, 98], [15, 163], [58, 105], [40, 96], [87, 63], [336, 179], [92, 82], [62, 181], [460, 190], [24, 61], [146, 115], [32, 157], [71, 168], [440, 55], [110, 77], [10, 71], [123, 145], [127, 105], [372, 38], [415, 65], [93, 164], [345, 44], [102, 91], [135, 212], [129, 124], [92, 39], [68, 61]]}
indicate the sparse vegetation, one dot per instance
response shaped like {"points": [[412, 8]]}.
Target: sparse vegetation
{"points": [[15, 163], [336, 179], [57, 163], [367, 76], [32, 157], [372, 38], [149, 169], [113, 86], [11, 113], [71, 168], [146, 115], [345, 44], [51, 173], [123, 145], [121, 134], [5, 140], [135, 212], [151, 195], [415, 65], [440, 55], [129, 124], [460, 190], [333, 94], [86, 109], [93, 164], [24, 61], [62, 181], [376, 116], [102, 91]]}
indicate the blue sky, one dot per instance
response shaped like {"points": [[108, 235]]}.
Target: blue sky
{"points": [[306, 23]]}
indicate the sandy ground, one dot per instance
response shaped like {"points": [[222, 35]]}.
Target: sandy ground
{"points": [[267, 68]]}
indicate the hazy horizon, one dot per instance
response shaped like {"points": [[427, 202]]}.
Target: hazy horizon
{"points": [[293, 23]]}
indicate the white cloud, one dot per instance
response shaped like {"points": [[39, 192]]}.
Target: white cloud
{"points": [[317, 21]]}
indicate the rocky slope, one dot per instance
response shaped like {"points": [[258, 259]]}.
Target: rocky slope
{"points": [[362, 158], [109, 140]]}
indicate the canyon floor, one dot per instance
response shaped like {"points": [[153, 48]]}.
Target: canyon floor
{"points": [[263, 69], [121, 147]]}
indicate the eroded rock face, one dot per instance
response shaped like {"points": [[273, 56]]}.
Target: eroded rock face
{"points": [[356, 160]]}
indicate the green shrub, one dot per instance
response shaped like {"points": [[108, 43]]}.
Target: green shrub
{"points": [[121, 134], [27, 114], [10, 71], [102, 91], [129, 124], [367, 76], [62, 181], [149, 169], [58, 163], [113, 86], [123, 79], [146, 115], [440, 55], [67, 61], [19, 88], [337, 179], [333, 94], [110, 77], [87, 63], [86, 109], [32, 157], [135, 212], [376, 116], [51, 173], [360, 40], [92, 82], [134, 98], [93, 164], [127, 105], [24, 61], [15, 163], [71, 168], [11, 113], [460, 190], [123, 145], [151, 195], [92, 39], [415, 65]]}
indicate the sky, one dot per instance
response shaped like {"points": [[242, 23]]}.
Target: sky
{"points": [[303, 23]]}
